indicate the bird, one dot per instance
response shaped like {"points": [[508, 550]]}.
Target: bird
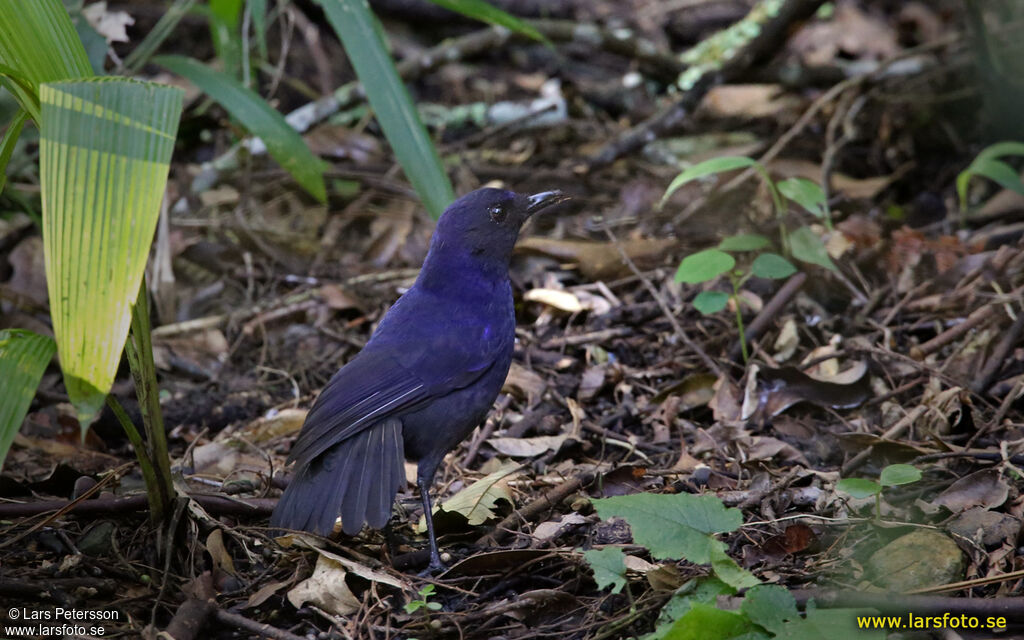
{"points": [[426, 378]]}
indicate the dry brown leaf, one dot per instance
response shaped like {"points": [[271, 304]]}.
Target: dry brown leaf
{"points": [[219, 553], [985, 489], [749, 101], [599, 260], [527, 447], [326, 588], [524, 383]]}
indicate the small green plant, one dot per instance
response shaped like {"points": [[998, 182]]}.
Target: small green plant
{"points": [[708, 265], [891, 476], [423, 603], [801, 244], [989, 164]]}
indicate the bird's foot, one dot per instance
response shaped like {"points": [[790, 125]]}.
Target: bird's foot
{"points": [[435, 567]]}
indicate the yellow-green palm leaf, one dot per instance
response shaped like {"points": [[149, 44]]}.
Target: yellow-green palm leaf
{"points": [[38, 44], [105, 150], [23, 359]]}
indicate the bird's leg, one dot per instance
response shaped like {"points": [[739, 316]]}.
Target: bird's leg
{"points": [[435, 557]]}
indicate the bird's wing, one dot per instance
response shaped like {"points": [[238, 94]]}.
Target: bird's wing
{"points": [[373, 387], [424, 348]]}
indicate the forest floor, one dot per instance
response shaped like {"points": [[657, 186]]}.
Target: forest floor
{"points": [[897, 343]]}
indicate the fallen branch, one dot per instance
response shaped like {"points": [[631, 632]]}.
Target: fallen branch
{"points": [[216, 505]]}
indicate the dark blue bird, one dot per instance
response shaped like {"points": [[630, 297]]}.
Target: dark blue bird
{"points": [[427, 377]]}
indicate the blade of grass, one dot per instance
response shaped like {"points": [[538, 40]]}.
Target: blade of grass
{"points": [[283, 143], [485, 12], [362, 37], [7, 144], [23, 359], [105, 150], [141, 54]]}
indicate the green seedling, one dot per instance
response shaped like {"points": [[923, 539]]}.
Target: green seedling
{"points": [[891, 476], [424, 602], [801, 244], [989, 164], [708, 265]]}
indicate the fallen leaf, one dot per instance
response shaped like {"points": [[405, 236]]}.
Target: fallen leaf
{"points": [[599, 260], [525, 383], [986, 528], [219, 553], [552, 529], [985, 489], [527, 447], [561, 300], [749, 101], [477, 501], [263, 594], [326, 589]]}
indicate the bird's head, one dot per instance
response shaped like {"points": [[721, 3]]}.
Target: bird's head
{"points": [[485, 223]]}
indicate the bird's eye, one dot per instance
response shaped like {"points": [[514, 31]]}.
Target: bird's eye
{"points": [[498, 213]]}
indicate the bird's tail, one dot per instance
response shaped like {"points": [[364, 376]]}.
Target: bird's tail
{"points": [[356, 478]]}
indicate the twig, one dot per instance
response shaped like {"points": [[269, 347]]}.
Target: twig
{"points": [[586, 338], [894, 431], [976, 319], [241, 622], [998, 357], [552, 498]]}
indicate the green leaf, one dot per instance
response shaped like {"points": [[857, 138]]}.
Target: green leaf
{"points": [[104, 153], [708, 302], [8, 142], [485, 12], [673, 526], [699, 590], [808, 247], [363, 40], [1000, 149], [771, 265], [477, 501], [163, 28], [39, 44], [729, 572], [770, 606], [609, 567], [897, 474], [23, 359], [707, 168], [999, 172], [283, 143], [805, 193], [744, 242], [859, 487], [985, 164], [704, 266], [707, 622]]}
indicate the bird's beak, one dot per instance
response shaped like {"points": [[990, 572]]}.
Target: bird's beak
{"points": [[543, 200]]}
